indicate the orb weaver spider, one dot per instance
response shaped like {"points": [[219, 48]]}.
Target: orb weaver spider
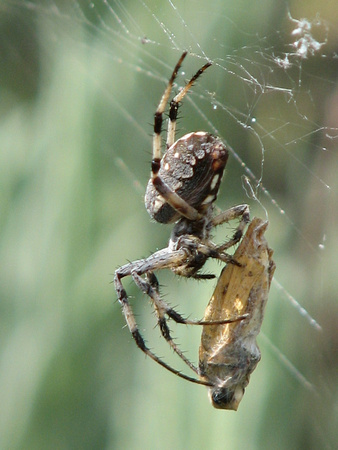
{"points": [[182, 189]]}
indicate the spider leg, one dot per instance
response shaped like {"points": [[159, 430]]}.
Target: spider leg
{"points": [[168, 194], [206, 248], [150, 286], [162, 307], [174, 105], [231, 214], [140, 342], [158, 118], [135, 269], [175, 200], [159, 260]]}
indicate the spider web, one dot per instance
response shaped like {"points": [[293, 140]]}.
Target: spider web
{"points": [[271, 95]]}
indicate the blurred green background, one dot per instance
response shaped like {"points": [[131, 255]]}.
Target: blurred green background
{"points": [[79, 84]]}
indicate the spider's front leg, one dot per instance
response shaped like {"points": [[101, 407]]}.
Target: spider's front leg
{"points": [[231, 214], [211, 250]]}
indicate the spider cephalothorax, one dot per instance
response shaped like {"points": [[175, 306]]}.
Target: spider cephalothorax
{"points": [[182, 189]]}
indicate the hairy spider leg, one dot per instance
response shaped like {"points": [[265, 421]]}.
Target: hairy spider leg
{"points": [[158, 118], [169, 195], [231, 214], [134, 269], [175, 103], [160, 260], [162, 309]]}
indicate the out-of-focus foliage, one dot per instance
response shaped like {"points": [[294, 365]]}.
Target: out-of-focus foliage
{"points": [[75, 118]]}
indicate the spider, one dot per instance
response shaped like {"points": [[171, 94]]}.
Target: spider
{"points": [[182, 189]]}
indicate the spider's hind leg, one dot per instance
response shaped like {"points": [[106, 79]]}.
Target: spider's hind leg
{"points": [[235, 212]]}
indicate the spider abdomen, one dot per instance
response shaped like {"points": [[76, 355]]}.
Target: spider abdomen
{"points": [[192, 168]]}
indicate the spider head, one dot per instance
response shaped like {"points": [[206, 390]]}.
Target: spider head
{"points": [[192, 168]]}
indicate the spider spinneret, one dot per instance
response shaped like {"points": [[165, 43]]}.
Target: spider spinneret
{"points": [[182, 189]]}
